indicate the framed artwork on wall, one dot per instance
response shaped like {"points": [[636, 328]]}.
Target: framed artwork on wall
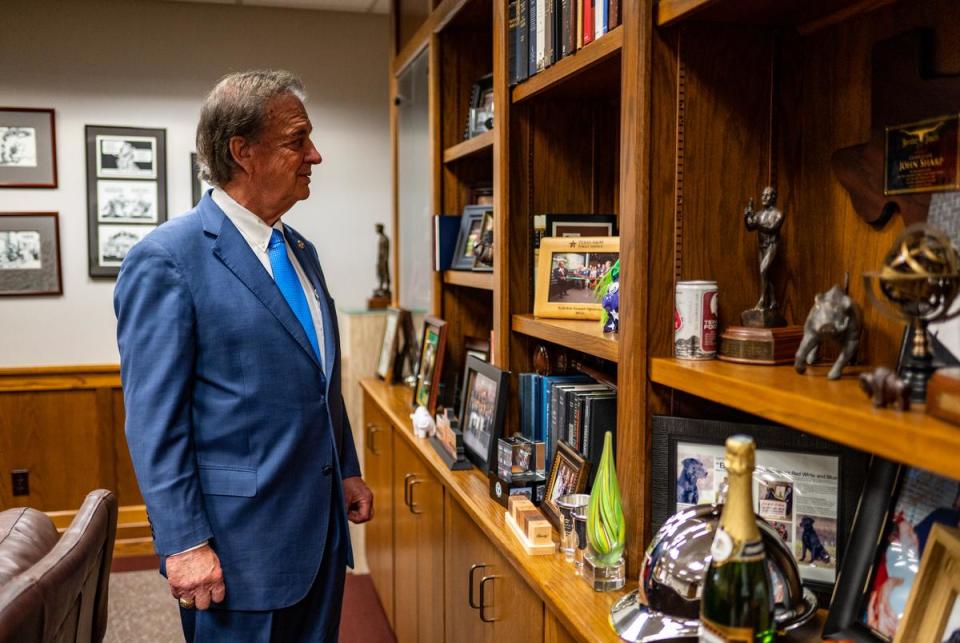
{"points": [[126, 192], [30, 254], [198, 186], [28, 148]]}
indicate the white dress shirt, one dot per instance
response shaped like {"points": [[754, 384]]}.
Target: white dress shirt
{"points": [[257, 235]]}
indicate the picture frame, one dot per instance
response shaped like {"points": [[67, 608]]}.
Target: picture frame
{"points": [[568, 269], [430, 363], [899, 503], [483, 249], [30, 254], [799, 465], [471, 226], [480, 112], [568, 474], [580, 225], [28, 147], [478, 347], [933, 609], [390, 345], [198, 187], [482, 409], [126, 192]]}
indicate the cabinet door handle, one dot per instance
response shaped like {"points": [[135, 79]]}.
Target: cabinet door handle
{"points": [[413, 505], [374, 430], [406, 488], [470, 584], [483, 603], [368, 437]]}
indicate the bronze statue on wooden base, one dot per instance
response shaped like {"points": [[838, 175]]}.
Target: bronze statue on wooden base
{"points": [[381, 295]]}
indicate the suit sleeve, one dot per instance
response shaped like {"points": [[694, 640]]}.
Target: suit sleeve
{"points": [[349, 463], [156, 337]]}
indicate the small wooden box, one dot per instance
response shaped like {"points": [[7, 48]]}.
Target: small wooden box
{"points": [[539, 531], [518, 503], [943, 395]]}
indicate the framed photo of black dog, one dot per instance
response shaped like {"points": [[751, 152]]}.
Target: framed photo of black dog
{"points": [[898, 509], [806, 487]]}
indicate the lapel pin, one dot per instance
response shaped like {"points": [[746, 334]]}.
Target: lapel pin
{"points": [[300, 244]]}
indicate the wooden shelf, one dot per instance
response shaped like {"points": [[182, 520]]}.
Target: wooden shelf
{"points": [[806, 15], [481, 280], [584, 336], [476, 146], [606, 48], [836, 410]]}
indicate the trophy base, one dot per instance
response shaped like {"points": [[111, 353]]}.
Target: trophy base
{"points": [[378, 302], [917, 371], [765, 346], [604, 578], [762, 318]]}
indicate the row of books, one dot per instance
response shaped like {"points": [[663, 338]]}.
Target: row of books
{"points": [[572, 408], [544, 31]]}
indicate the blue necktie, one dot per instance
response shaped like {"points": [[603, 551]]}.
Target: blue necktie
{"points": [[289, 284]]}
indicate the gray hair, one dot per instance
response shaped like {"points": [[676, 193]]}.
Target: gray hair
{"points": [[237, 107]]}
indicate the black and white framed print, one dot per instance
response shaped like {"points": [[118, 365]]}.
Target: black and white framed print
{"points": [[126, 191], [30, 254], [28, 148], [198, 186], [805, 487]]}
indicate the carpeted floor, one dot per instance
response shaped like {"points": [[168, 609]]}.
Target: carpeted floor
{"points": [[142, 610]]}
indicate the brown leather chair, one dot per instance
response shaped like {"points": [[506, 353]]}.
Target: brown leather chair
{"points": [[55, 590]]}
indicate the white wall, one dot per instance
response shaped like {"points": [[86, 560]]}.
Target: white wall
{"points": [[146, 63]]}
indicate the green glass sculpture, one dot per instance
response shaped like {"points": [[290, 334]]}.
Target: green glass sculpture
{"points": [[606, 529]]}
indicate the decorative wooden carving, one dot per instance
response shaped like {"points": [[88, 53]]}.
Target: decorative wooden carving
{"points": [[905, 88]]}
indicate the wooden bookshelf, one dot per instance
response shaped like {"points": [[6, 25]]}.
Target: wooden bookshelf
{"points": [[806, 15], [584, 336], [479, 280], [564, 71], [836, 410], [476, 146]]}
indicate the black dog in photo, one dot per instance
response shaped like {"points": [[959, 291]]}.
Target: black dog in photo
{"points": [[811, 542], [687, 492]]}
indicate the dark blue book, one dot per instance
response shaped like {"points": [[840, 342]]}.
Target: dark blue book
{"points": [[531, 37], [523, 36], [547, 383], [445, 231]]}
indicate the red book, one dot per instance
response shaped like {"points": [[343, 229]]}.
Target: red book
{"points": [[588, 14]]}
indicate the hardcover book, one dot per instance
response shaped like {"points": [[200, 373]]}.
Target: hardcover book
{"points": [[589, 9], [523, 35]]}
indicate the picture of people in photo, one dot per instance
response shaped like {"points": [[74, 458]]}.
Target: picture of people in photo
{"points": [[924, 500], [574, 275], [20, 250], [695, 478], [776, 499], [565, 482], [815, 541], [427, 363], [783, 529], [479, 412], [473, 237]]}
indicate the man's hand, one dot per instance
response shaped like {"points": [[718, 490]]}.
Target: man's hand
{"points": [[196, 575], [359, 500]]}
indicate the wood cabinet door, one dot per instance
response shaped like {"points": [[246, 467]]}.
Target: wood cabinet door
{"points": [[516, 610], [469, 555], [406, 465], [378, 473]]}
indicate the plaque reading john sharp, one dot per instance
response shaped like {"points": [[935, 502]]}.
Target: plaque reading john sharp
{"points": [[923, 156]]}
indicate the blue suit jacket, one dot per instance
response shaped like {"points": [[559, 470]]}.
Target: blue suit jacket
{"points": [[232, 435]]}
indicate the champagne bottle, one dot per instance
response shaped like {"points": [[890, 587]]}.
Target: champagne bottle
{"points": [[737, 600]]}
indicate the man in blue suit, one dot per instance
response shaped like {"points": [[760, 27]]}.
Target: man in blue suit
{"points": [[230, 364]]}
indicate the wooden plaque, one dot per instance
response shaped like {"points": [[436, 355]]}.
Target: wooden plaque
{"points": [[766, 346], [943, 395]]}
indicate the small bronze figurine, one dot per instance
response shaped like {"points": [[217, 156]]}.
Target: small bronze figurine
{"points": [[834, 316], [884, 387], [767, 222], [381, 294]]}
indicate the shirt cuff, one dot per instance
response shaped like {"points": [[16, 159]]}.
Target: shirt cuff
{"points": [[198, 546]]}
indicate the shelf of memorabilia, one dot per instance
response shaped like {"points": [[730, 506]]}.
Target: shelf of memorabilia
{"points": [[584, 336], [479, 280], [837, 410], [601, 57], [584, 613], [806, 15], [480, 145]]}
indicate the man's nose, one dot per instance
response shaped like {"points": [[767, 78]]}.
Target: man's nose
{"points": [[313, 156]]}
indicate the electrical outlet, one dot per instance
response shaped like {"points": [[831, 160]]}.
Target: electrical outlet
{"points": [[21, 482]]}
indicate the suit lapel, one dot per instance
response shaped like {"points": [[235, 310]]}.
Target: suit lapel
{"points": [[232, 249], [312, 270]]}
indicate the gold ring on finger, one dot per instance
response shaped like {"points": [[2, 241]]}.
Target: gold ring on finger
{"points": [[187, 603]]}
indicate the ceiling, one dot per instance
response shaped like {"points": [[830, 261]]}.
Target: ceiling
{"points": [[358, 6]]}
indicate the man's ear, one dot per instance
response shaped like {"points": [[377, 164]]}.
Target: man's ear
{"points": [[242, 152]]}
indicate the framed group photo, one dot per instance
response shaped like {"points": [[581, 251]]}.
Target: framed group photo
{"points": [[805, 487], [28, 148], [30, 254], [568, 271], [432, 347], [482, 408], [568, 474], [126, 192]]}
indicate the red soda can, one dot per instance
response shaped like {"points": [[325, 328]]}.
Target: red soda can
{"points": [[695, 320]]}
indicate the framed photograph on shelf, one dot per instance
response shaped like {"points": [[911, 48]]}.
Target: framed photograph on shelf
{"points": [[568, 270], [471, 227], [28, 148], [477, 347], [126, 192], [480, 113], [933, 609], [432, 348], [390, 345], [198, 186], [482, 408], [898, 509], [483, 249], [806, 487], [30, 254], [580, 225], [568, 474]]}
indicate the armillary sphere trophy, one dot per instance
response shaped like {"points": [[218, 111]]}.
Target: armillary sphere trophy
{"points": [[919, 282]]}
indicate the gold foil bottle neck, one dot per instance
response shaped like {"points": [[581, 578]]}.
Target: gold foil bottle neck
{"points": [[740, 454]]}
